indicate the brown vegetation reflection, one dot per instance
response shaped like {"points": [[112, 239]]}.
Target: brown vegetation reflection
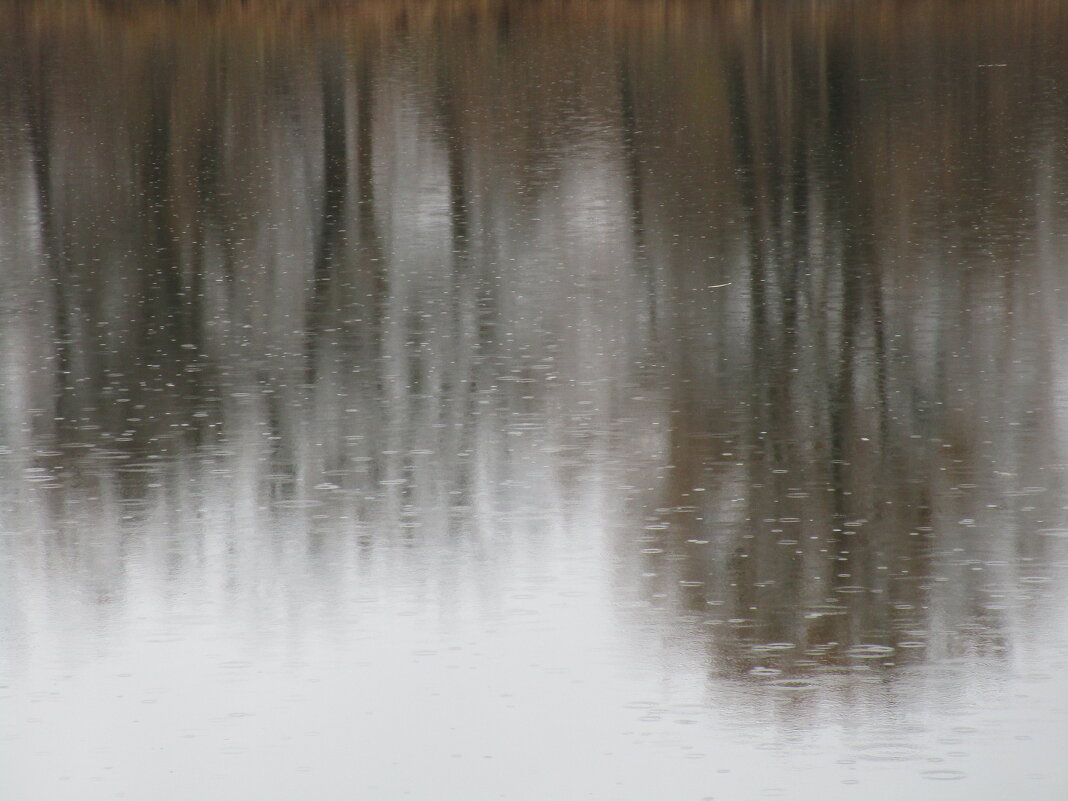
{"points": [[781, 282]]}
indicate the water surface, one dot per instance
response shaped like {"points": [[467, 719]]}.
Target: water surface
{"points": [[607, 400]]}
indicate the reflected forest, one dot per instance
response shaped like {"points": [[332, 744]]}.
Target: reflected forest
{"points": [[762, 304]]}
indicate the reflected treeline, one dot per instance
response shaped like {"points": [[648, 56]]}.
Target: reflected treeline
{"points": [[772, 293]]}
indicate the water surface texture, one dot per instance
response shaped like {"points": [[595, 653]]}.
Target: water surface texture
{"points": [[538, 400]]}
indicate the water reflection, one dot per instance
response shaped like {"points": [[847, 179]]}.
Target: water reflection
{"points": [[707, 358]]}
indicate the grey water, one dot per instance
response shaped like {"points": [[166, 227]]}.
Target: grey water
{"points": [[534, 400]]}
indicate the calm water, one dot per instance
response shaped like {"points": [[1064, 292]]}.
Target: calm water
{"points": [[536, 400]]}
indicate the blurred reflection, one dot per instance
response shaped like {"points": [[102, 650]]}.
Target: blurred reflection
{"points": [[763, 305]]}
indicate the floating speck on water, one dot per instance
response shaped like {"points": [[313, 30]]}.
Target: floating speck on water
{"points": [[944, 775], [869, 651]]}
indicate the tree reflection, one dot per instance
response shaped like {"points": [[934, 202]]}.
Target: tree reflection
{"points": [[755, 280]]}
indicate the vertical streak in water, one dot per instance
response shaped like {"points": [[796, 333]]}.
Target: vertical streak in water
{"points": [[208, 209], [335, 164], [165, 281], [842, 380], [449, 117], [370, 240], [748, 139], [170, 333], [629, 130], [464, 280], [335, 188], [861, 323], [34, 84]]}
